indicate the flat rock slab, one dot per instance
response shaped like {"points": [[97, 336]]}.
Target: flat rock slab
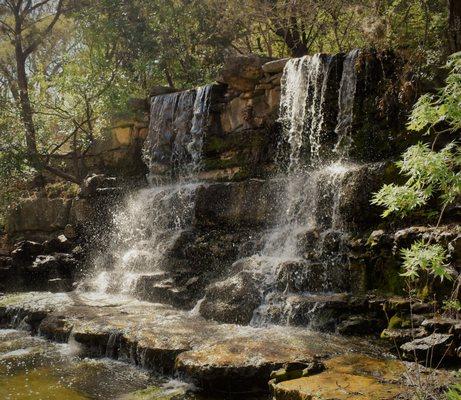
{"points": [[247, 360], [218, 357], [357, 377]]}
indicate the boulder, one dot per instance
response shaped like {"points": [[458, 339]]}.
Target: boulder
{"points": [[442, 325], [300, 276], [56, 327], [351, 376], [435, 348], [97, 184], [250, 203], [358, 325], [401, 336], [232, 300], [50, 272], [296, 370], [25, 251], [58, 244], [242, 365], [275, 66], [242, 72], [38, 217]]}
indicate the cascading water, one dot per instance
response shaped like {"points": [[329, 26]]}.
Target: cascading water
{"points": [[304, 84], [347, 92], [310, 233], [147, 225], [145, 229], [187, 149]]}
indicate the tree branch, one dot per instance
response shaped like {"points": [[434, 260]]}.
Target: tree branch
{"points": [[48, 29]]}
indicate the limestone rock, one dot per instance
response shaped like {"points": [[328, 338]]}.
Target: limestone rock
{"points": [[58, 244], [242, 72], [352, 376], [400, 336], [226, 365], [234, 203], [96, 184], [276, 66], [159, 90], [437, 346], [38, 217], [232, 300], [25, 251], [442, 325], [217, 357], [360, 325]]}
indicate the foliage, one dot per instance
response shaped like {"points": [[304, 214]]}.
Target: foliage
{"points": [[430, 174], [431, 110], [452, 306], [425, 257], [454, 392], [83, 60]]}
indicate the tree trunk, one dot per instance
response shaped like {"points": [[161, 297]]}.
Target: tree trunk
{"points": [[293, 41], [26, 108], [454, 25], [169, 78]]}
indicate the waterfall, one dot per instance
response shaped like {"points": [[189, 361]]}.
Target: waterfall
{"points": [[178, 122], [149, 223], [302, 100], [187, 148], [346, 99], [313, 183], [199, 125], [145, 230]]}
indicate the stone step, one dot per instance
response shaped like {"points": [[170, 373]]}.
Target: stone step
{"points": [[163, 288], [217, 357], [355, 376], [322, 311], [303, 276]]}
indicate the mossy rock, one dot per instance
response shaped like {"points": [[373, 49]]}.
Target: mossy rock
{"points": [[398, 321], [156, 393]]}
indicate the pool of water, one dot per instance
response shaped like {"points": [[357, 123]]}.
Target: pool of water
{"points": [[32, 368]]}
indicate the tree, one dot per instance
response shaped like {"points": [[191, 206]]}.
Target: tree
{"points": [[454, 25], [26, 25], [73, 81]]}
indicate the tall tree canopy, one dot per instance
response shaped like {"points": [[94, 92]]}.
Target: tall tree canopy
{"points": [[66, 66]]}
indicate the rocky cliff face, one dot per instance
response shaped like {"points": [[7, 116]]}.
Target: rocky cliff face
{"points": [[258, 203], [259, 185]]}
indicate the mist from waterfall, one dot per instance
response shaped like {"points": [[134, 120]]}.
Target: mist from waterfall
{"points": [[146, 226]]}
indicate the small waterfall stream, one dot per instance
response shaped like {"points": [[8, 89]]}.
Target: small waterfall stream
{"points": [[147, 225], [347, 92], [303, 254], [312, 189], [145, 228]]}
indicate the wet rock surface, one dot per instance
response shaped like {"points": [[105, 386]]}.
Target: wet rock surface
{"points": [[51, 265], [232, 300], [166, 340], [354, 376]]}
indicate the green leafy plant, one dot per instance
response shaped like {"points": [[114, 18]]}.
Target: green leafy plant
{"points": [[430, 173], [452, 306], [454, 392], [426, 257]]}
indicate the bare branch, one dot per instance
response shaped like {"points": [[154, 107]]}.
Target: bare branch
{"points": [[48, 29]]}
